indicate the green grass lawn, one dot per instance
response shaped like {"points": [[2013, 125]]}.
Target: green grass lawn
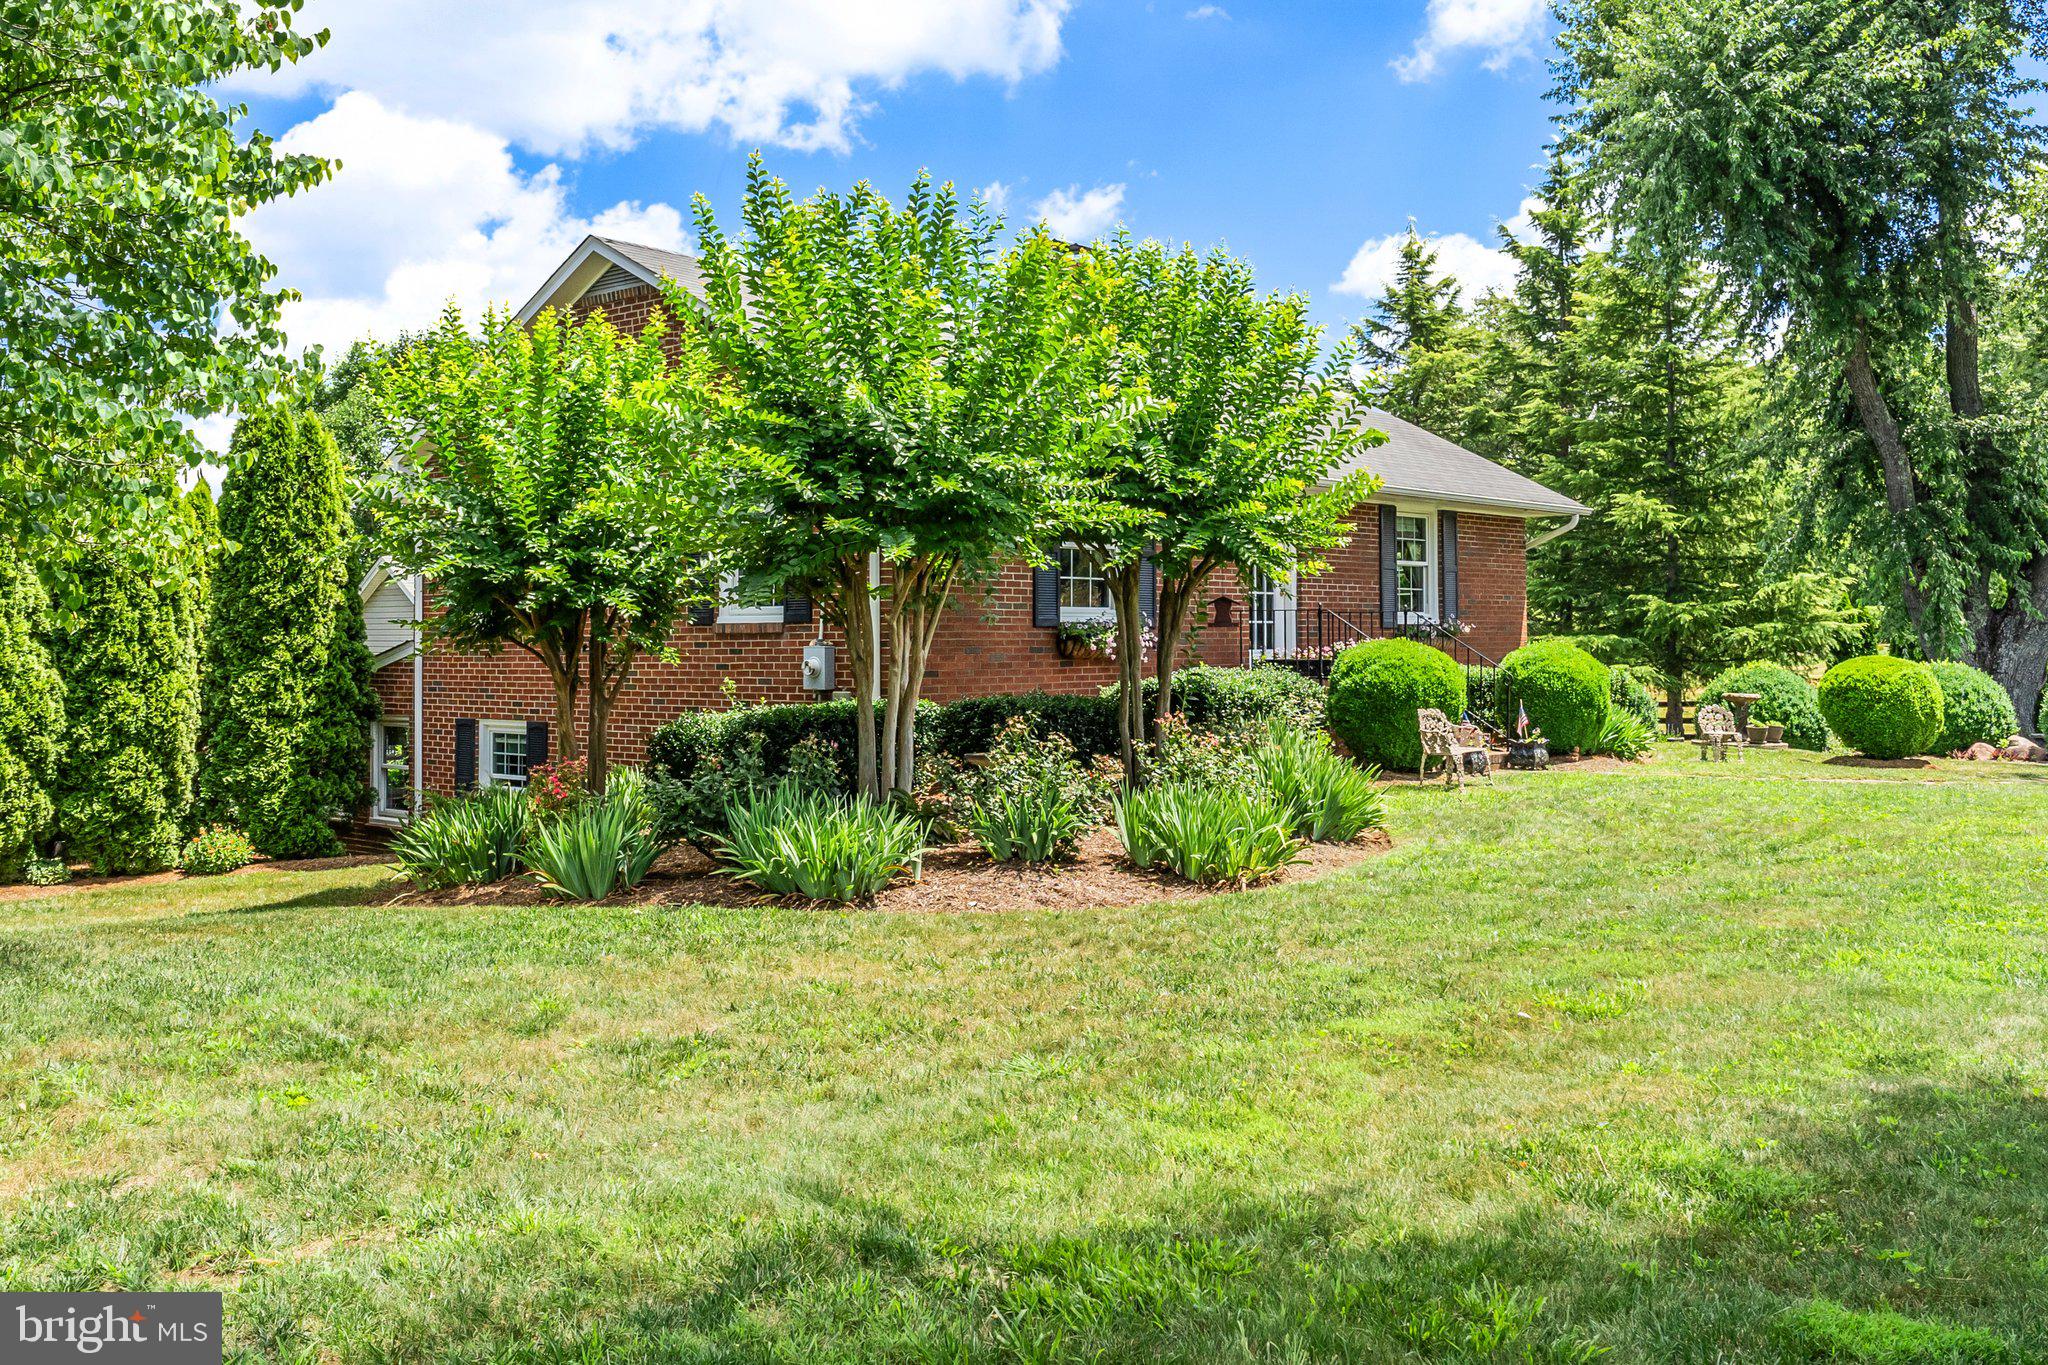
{"points": [[1690, 1063]]}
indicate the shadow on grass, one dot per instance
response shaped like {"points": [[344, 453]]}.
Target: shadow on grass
{"points": [[1903, 1228]]}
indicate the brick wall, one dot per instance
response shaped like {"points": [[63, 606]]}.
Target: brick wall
{"points": [[986, 643]]}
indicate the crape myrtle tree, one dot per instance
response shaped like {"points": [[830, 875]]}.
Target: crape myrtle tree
{"points": [[912, 391], [1231, 451], [555, 485], [127, 296], [286, 699], [1852, 166]]}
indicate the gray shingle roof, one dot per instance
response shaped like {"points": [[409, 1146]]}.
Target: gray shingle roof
{"points": [[677, 265], [1420, 464]]}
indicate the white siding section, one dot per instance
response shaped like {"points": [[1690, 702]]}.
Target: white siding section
{"points": [[387, 618]]}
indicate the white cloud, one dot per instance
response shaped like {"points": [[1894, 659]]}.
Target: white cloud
{"points": [[1502, 29], [996, 195], [1477, 266], [1207, 12], [1075, 215], [422, 210], [560, 76]]}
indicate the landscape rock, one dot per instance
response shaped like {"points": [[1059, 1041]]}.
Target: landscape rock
{"points": [[2020, 749], [1980, 752]]}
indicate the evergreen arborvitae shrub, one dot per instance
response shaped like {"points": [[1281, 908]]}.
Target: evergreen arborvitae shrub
{"points": [[131, 701], [1783, 698], [1974, 709], [1565, 690], [31, 717], [1882, 705], [287, 683], [1377, 687]]}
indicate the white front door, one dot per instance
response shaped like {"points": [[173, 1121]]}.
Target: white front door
{"points": [[1271, 615]]}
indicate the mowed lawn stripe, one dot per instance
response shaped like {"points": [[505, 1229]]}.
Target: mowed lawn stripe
{"points": [[1647, 1062]]}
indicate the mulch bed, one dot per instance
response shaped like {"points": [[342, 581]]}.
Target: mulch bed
{"points": [[1859, 761], [957, 879]]}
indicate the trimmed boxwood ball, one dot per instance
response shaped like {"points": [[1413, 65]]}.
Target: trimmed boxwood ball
{"points": [[1783, 698], [1565, 690], [1974, 708], [1882, 705], [1377, 687]]}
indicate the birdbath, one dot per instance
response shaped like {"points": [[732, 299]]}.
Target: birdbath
{"points": [[1739, 703]]}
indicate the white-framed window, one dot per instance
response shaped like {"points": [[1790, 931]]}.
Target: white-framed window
{"points": [[391, 766], [1084, 587], [503, 760], [733, 612], [1415, 562]]}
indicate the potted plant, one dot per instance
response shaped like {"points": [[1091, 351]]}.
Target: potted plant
{"points": [[1085, 639], [1528, 751]]}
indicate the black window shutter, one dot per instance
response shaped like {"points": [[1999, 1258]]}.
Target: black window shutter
{"points": [[1390, 577], [536, 743], [703, 614], [1447, 550], [1045, 596], [1148, 590], [796, 610], [465, 755]]}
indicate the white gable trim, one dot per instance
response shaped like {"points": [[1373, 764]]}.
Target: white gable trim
{"points": [[381, 575], [572, 277]]}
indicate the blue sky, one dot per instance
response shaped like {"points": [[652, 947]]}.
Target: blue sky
{"points": [[1303, 135]]}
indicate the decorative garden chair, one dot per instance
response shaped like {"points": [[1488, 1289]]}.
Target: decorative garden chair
{"points": [[1716, 732], [1452, 744]]}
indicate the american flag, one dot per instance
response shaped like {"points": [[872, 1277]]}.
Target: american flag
{"points": [[1521, 721]]}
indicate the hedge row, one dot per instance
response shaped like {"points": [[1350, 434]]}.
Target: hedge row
{"points": [[1210, 698]]}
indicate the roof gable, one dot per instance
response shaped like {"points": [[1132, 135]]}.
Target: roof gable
{"points": [[603, 265]]}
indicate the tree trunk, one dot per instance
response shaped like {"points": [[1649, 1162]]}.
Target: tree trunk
{"points": [[1173, 607], [611, 664], [1130, 672], [563, 658], [2011, 644], [850, 602], [1893, 457], [918, 593], [1674, 712]]}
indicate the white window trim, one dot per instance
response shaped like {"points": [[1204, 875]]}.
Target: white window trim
{"points": [[1432, 578], [380, 812], [485, 730], [730, 614], [1076, 616]]}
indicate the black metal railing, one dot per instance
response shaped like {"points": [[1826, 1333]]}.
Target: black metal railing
{"points": [[1308, 639]]}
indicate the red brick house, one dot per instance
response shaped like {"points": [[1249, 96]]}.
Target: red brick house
{"points": [[1439, 552]]}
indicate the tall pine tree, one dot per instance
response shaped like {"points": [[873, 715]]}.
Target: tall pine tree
{"points": [[1418, 349], [287, 696]]}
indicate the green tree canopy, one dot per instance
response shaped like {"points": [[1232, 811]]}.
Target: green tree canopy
{"points": [[127, 297], [1852, 166], [914, 391], [560, 493], [1237, 430]]}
